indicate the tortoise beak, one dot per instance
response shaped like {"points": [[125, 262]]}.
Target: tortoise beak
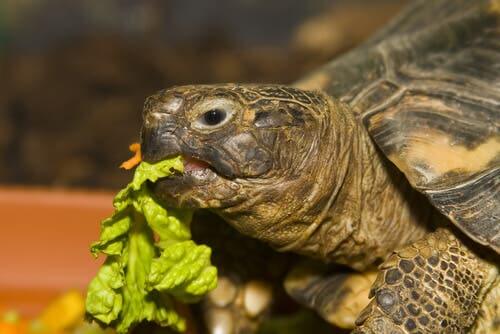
{"points": [[158, 142], [160, 122]]}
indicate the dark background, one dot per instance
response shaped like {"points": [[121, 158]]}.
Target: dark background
{"points": [[74, 74]]}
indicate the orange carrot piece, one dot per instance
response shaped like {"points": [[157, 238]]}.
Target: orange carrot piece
{"points": [[136, 159]]}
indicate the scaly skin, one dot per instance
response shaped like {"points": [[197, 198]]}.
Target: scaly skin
{"points": [[290, 167], [293, 168], [436, 285]]}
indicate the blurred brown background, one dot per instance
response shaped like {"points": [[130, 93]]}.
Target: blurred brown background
{"points": [[74, 74]]}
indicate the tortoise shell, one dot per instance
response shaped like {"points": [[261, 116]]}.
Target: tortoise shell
{"points": [[427, 88]]}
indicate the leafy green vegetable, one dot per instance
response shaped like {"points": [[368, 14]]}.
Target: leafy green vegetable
{"points": [[142, 275]]}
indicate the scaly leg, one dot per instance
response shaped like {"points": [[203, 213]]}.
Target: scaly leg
{"points": [[436, 285]]}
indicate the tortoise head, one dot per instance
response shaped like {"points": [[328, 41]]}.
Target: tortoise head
{"points": [[251, 154]]}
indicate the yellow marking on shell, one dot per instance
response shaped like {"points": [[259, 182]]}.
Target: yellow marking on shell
{"points": [[441, 156]]}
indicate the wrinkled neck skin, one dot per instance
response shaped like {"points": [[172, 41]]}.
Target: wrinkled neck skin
{"points": [[345, 204]]}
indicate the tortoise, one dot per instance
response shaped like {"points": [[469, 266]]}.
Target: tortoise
{"points": [[385, 161]]}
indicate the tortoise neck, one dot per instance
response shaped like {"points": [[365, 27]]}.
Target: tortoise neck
{"points": [[372, 209]]}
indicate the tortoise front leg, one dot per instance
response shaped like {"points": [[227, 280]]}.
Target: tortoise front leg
{"points": [[436, 285]]}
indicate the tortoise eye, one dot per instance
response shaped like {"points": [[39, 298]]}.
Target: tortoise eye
{"points": [[213, 117], [213, 114]]}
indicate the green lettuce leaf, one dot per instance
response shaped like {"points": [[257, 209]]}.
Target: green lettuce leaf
{"points": [[152, 172], [141, 278], [139, 304], [113, 235], [170, 226], [184, 271], [104, 301]]}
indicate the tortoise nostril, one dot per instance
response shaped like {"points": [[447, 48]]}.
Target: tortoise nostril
{"points": [[159, 113], [153, 119], [159, 119]]}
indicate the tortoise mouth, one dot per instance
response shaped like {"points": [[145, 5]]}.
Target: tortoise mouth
{"points": [[158, 144], [205, 169], [200, 186], [196, 172], [192, 164]]}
